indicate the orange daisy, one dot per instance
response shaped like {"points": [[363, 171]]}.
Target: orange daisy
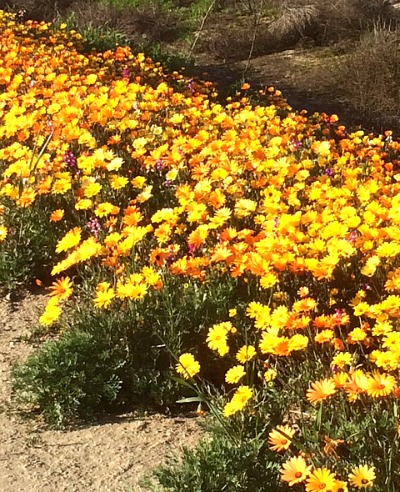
{"points": [[320, 390]]}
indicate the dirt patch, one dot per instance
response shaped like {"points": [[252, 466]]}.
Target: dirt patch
{"points": [[304, 76], [112, 455]]}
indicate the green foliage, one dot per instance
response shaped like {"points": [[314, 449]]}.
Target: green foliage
{"points": [[103, 38], [99, 38], [28, 251], [138, 3], [122, 356], [70, 377], [217, 464]]}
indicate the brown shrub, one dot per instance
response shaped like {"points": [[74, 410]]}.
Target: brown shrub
{"points": [[370, 79], [336, 20]]}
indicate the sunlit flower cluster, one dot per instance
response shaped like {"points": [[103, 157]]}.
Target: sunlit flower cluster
{"points": [[153, 175]]}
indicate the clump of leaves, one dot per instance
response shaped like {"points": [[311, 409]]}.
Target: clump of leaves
{"points": [[70, 377], [218, 464]]}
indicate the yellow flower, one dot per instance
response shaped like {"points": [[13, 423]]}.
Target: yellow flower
{"points": [[106, 208], [298, 342], [89, 248], [71, 239], [217, 337], [362, 476], [91, 189], [235, 374], [131, 290], [239, 400], [118, 182], [356, 335], [295, 470], [370, 267], [270, 375], [321, 479], [138, 182], [104, 295], [342, 359], [90, 79], [340, 486], [244, 207], [51, 313], [380, 385], [321, 148], [246, 353], [187, 366], [3, 233], [83, 204]]}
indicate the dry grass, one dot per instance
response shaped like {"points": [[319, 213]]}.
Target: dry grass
{"points": [[317, 22], [370, 78], [336, 20]]}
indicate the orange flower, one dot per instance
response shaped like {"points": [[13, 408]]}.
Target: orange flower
{"points": [[320, 390], [61, 289], [57, 215], [279, 439]]}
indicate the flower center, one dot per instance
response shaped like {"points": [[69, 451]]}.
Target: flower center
{"points": [[364, 481], [298, 474]]}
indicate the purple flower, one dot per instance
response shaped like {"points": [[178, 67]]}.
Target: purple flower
{"points": [[160, 164], [190, 85], [191, 249], [352, 237], [94, 226], [69, 159], [125, 73], [296, 143], [334, 369]]}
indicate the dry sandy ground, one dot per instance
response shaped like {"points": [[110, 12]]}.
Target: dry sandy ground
{"points": [[112, 455]]}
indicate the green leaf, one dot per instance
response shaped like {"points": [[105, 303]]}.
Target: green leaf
{"points": [[190, 399], [319, 418]]}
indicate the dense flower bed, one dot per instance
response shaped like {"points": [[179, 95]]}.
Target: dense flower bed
{"points": [[141, 175]]}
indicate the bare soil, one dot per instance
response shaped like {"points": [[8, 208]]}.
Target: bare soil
{"points": [[112, 455], [306, 78]]}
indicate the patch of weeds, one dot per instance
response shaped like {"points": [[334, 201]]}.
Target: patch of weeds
{"points": [[103, 38]]}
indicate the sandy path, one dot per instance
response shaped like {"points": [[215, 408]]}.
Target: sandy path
{"points": [[112, 455]]}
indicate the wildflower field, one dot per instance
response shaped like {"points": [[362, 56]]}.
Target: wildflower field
{"points": [[234, 254]]}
